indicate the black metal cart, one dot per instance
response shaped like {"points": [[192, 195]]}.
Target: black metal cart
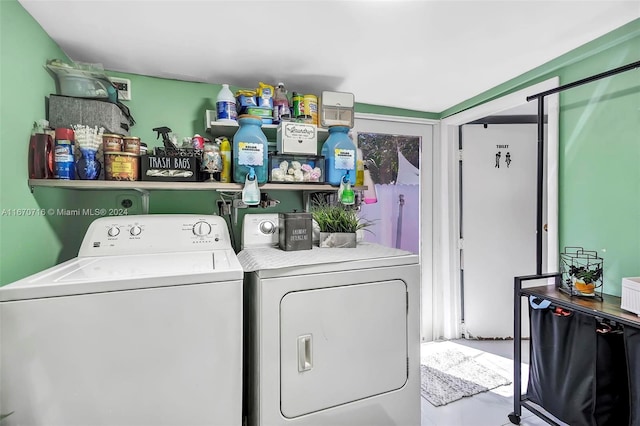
{"points": [[605, 310]]}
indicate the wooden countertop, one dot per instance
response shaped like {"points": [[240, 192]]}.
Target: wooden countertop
{"points": [[607, 308]]}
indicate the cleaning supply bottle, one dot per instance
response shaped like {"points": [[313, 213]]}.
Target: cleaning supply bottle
{"points": [[251, 192], [64, 158], [370, 194], [250, 149], [345, 193], [41, 152], [360, 169], [225, 153], [226, 105], [340, 155], [280, 104]]}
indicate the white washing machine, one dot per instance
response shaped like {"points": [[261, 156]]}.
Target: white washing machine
{"points": [[144, 327], [332, 335]]}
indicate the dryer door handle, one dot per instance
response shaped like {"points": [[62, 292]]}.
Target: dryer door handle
{"points": [[305, 353]]}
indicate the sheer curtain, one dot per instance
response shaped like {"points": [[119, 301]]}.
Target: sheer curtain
{"points": [[395, 217]]}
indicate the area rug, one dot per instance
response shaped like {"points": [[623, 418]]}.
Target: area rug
{"points": [[448, 375]]}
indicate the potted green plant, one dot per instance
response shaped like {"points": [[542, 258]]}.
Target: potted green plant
{"points": [[584, 279], [338, 224]]}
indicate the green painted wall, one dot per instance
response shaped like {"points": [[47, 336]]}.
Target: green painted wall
{"points": [[600, 163], [31, 244], [375, 109], [599, 176], [27, 244]]}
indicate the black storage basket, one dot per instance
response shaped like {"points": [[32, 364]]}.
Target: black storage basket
{"points": [[632, 343], [577, 374]]}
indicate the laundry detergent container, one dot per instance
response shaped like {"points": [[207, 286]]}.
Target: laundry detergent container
{"points": [[340, 156], [250, 150]]}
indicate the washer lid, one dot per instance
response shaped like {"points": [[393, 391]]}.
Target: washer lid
{"points": [[115, 273]]}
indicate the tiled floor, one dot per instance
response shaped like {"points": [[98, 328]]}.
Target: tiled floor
{"points": [[487, 408]]}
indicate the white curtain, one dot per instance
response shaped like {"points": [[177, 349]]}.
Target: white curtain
{"points": [[387, 214]]}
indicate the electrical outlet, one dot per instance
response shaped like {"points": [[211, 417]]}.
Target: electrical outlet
{"points": [[129, 203], [124, 88], [224, 208]]}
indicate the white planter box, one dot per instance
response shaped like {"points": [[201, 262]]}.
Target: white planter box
{"points": [[630, 299]]}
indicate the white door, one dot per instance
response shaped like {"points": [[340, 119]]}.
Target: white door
{"points": [[498, 226], [403, 179]]}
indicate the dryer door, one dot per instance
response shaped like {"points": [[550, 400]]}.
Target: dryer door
{"points": [[341, 344]]}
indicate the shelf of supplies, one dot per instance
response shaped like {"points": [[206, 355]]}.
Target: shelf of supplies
{"points": [[270, 130], [175, 186]]}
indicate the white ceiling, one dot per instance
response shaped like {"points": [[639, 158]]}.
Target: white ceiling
{"points": [[420, 55]]}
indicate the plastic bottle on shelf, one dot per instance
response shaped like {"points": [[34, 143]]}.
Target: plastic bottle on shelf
{"points": [[345, 193], [225, 153], [41, 151], [226, 106], [360, 169], [280, 104], [251, 191], [370, 194], [64, 158]]}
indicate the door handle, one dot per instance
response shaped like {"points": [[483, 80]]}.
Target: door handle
{"points": [[305, 353]]}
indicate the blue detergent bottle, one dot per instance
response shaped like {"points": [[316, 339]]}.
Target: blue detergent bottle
{"points": [[250, 150], [340, 156]]}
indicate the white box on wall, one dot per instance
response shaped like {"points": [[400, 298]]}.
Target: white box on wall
{"points": [[297, 138], [336, 109], [630, 298]]}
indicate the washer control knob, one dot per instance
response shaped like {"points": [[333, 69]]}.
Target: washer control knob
{"points": [[201, 229], [135, 230], [267, 227], [113, 231]]}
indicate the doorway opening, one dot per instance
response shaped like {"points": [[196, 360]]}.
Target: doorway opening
{"points": [[399, 152], [450, 256]]}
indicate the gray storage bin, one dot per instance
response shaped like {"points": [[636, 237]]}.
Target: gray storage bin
{"points": [[295, 231], [65, 111]]}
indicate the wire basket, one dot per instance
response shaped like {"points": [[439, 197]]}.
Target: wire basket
{"points": [[582, 272]]}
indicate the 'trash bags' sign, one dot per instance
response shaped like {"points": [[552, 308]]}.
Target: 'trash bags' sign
{"points": [[170, 169]]}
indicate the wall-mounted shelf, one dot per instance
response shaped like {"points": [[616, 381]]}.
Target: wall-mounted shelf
{"points": [[174, 186], [143, 187]]}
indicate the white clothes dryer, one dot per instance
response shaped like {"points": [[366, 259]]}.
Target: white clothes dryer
{"points": [[332, 335], [143, 327]]}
